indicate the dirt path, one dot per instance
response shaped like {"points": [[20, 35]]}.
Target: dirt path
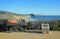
{"points": [[24, 35]]}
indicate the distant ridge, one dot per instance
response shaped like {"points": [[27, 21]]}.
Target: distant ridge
{"points": [[7, 15]]}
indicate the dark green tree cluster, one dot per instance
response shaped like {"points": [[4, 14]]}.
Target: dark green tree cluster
{"points": [[54, 25]]}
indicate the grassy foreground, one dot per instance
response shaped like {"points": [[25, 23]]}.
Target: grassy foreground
{"points": [[25, 35]]}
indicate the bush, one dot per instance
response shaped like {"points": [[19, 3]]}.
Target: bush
{"points": [[54, 26]]}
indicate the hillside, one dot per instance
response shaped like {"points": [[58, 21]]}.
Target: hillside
{"points": [[6, 15], [10, 15]]}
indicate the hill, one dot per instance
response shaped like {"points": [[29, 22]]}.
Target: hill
{"points": [[10, 15], [7, 15]]}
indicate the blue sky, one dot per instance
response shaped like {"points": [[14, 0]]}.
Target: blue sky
{"points": [[43, 7]]}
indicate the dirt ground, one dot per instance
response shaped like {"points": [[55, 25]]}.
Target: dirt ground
{"points": [[25, 35]]}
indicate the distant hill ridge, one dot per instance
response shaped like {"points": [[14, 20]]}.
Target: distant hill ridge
{"points": [[8, 15]]}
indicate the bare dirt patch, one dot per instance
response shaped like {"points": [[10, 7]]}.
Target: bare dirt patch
{"points": [[24, 35]]}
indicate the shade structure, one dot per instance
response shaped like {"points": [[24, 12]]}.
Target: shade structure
{"points": [[12, 21]]}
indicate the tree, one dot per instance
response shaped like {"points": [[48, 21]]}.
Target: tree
{"points": [[54, 25]]}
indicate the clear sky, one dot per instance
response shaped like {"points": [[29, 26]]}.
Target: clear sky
{"points": [[43, 7]]}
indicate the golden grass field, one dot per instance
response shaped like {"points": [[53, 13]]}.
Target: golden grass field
{"points": [[24, 35]]}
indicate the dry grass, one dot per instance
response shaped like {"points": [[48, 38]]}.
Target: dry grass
{"points": [[23, 35]]}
